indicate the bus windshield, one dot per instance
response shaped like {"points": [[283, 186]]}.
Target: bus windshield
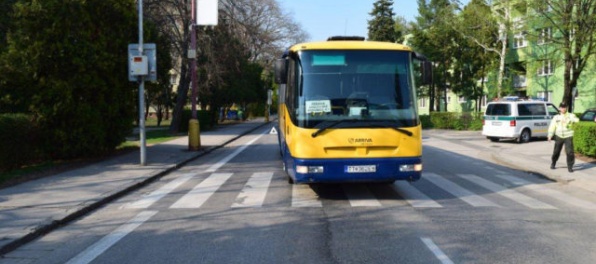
{"points": [[363, 87]]}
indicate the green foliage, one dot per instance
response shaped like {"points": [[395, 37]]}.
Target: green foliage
{"points": [[451, 120], [67, 65], [204, 117], [584, 138], [5, 21], [19, 137], [426, 123], [382, 26]]}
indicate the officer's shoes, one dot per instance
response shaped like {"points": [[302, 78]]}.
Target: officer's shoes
{"points": [[570, 169], [552, 166]]}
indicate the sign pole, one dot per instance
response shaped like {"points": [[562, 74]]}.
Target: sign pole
{"points": [[194, 142], [142, 93]]}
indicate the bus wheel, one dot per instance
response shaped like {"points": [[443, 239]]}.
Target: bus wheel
{"points": [[524, 137]]}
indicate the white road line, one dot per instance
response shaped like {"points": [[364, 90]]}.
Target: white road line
{"points": [[436, 250], [200, 193], [225, 160], [414, 197], [254, 192], [106, 242], [511, 194], [304, 196], [360, 196], [549, 192], [153, 197], [458, 191]]}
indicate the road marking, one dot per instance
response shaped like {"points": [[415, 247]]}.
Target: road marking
{"points": [[360, 196], [200, 193], [304, 196], [436, 250], [153, 197], [414, 197], [511, 194], [225, 160], [106, 242], [457, 191], [549, 192], [254, 192]]}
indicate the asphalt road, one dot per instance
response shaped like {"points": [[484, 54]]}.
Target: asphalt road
{"points": [[235, 206]]}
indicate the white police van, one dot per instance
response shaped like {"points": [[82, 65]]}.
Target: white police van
{"points": [[518, 120]]}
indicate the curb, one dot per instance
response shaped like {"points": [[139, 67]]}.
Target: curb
{"points": [[84, 210]]}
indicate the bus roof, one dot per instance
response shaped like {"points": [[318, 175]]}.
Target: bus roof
{"points": [[348, 45]]}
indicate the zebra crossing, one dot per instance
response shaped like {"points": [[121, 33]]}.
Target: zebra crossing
{"points": [[498, 191]]}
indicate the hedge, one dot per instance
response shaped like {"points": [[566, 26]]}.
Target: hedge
{"points": [[451, 120], [584, 138], [19, 138]]}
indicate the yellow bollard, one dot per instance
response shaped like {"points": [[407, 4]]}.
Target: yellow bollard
{"points": [[194, 139]]}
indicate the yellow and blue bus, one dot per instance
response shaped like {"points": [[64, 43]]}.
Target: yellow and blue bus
{"points": [[348, 111]]}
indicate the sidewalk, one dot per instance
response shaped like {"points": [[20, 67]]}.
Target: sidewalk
{"points": [[34, 208], [533, 157]]}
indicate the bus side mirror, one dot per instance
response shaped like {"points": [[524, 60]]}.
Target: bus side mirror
{"points": [[281, 71], [427, 73]]}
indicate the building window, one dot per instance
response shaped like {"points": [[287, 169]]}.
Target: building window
{"points": [[545, 35], [422, 102], [483, 101], [545, 96], [519, 40], [545, 68], [462, 99]]}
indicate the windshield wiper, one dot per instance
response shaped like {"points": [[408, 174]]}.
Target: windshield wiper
{"points": [[407, 132], [330, 125]]}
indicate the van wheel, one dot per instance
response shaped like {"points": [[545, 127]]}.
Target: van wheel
{"points": [[524, 137], [493, 139]]}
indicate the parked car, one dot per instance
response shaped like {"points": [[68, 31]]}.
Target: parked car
{"points": [[588, 115], [518, 120]]}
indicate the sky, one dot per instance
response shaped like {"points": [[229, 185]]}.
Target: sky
{"points": [[324, 18]]}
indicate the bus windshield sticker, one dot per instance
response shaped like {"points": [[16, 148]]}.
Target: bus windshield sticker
{"points": [[318, 106]]}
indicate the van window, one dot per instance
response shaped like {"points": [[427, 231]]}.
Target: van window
{"points": [[498, 109], [531, 109], [552, 110]]}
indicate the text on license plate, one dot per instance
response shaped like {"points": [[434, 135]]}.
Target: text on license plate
{"points": [[361, 169]]}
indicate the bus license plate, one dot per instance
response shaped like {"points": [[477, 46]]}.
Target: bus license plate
{"points": [[497, 123], [361, 169]]}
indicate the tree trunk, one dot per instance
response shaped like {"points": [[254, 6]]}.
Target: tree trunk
{"points": [[180, 99]]}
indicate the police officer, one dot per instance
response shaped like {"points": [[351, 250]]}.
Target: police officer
{"points": [[560, 128]]}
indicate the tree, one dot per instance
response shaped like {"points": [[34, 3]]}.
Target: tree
{"points": [[67, 63], [401, 28], [382, 26], [479, 49], [260, 25], [174, 21], [573, 36], [157, 94], [434, 36]]}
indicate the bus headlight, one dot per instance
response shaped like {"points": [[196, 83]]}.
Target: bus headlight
{"points": [[410, 167], [309, 169]]}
